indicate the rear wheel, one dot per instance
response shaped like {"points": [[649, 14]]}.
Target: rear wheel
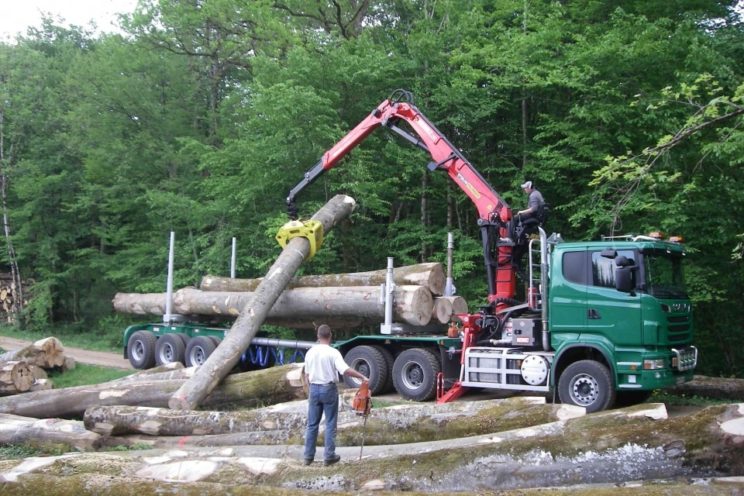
{"points": [[141, 349], [198, 350], [170, 348], [389, 361], [587, 383], [415, 374], [370, 362]]}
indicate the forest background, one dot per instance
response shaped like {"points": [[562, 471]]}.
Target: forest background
{"points": [[201, 115]]}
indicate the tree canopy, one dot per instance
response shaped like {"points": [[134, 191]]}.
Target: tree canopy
{"points": [[202, 115]]}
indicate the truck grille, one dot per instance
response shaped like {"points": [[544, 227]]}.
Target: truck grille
{"points": [[679, 329]]}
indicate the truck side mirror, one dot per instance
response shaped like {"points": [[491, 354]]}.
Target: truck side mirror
{"points": [[624, 280]]}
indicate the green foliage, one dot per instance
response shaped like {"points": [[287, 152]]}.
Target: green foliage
{"points": [[83, 375], [626, 115]]}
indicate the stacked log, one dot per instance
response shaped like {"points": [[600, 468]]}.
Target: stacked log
{"points": [[8, 297], [341, 300], [46, 353], [24, 369]]}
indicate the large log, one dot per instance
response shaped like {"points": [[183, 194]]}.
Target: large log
{"points": [[140, 303], [252, 316], [45, 353], [412, 422], [15, 377], [15, 429], [429, 275], [246, 390], [445, 307], [723, 388], [413, 304]]}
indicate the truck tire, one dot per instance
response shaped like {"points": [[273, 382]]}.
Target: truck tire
{"points": [[170, 348], [369, 361], [198, 350], [389, 361], [415, 374], [587, 383], [141, 349]]}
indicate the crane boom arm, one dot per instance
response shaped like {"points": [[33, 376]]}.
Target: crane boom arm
{"points": [[494, 214]]}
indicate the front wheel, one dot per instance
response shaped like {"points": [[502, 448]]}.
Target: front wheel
{"points": [[587, 383], [170, 348], [415, 374]]}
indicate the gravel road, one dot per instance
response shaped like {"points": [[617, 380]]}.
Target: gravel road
{"points": [[100, 358]]}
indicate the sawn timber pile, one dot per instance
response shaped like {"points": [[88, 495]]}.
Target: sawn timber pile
{"points": [[343, 300]]}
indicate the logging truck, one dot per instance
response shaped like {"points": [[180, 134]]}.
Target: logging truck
{"points": [[600, 322], [593, 323]]}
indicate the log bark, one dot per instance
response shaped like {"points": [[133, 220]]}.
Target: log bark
{"points": [[244, 390], [723, 388], [45, 353], [413, 304], [15, 429], [429, 275], [252, 316], [416, 422], [15, 377], [140, 303]]}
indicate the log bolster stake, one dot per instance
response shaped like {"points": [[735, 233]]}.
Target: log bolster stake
{"points": [[310, 229]]}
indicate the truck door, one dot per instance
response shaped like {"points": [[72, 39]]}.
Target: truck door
{"points": [[609, 312], [568, 293]]}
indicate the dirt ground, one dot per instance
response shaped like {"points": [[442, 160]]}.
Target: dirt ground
{"points": [[100, 358]]}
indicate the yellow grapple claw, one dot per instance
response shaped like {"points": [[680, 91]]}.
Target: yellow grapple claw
{"points": [[310, 229]]}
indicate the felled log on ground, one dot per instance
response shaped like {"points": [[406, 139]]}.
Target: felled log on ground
{"points": [[15, 377], [723, 388], [253, 315], [413, 304], [15, 429], [412, 422], [594, 454], [429, 275], [46, 353], [244, 390]]}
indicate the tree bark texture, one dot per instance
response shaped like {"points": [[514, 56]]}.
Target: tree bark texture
{"points": [[15, 429], [45, 353], [253, 315], [429, 275], [587, 455], [413, 422], [247, 389]]}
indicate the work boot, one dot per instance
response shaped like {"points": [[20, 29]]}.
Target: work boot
{"points": [[332, 460], [308, 461]]}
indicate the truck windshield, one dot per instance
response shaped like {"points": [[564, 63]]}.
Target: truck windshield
{"points": [[664, 274]]}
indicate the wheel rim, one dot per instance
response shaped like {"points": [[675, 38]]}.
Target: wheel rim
{"points": [[584, 389], [198, 356], [138, 350], [167, 353], [412, 375]]}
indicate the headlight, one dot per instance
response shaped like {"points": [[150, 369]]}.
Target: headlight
{"points": [[653, 364]]}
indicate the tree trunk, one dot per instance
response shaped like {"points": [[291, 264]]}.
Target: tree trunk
{"points": [[15, 377], [252, 316], [45, 353], [413, 304], [407, 423], [723, 388], [447, 306], [429, 275], [39, 433], [140, 303], [248, 389]]}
